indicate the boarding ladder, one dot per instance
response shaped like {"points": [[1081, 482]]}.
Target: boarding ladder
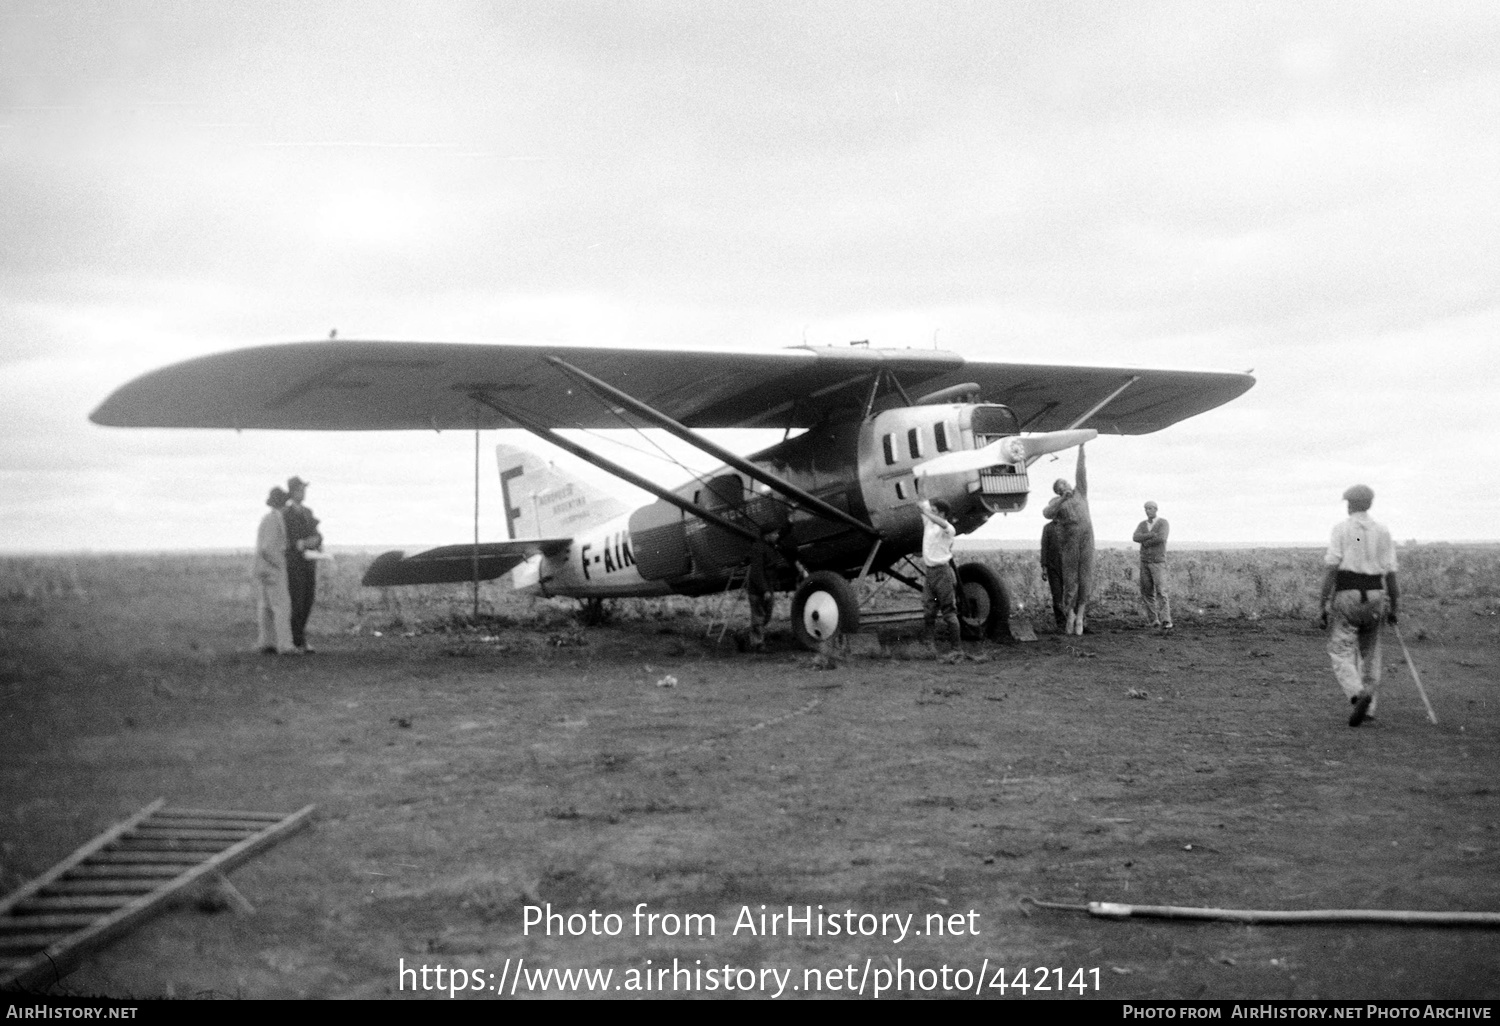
{"points": [[724, 606]]}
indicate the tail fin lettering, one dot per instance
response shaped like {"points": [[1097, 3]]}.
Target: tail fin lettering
{"points": [[544, 501]]}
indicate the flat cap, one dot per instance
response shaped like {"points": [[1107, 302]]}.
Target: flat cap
{"points": [[1361, 496]]}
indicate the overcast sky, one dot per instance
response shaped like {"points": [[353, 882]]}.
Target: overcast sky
{"points": [[1310, 190]]}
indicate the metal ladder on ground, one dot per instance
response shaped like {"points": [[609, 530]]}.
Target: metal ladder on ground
{"points": [[723, 607], [121, 878]]}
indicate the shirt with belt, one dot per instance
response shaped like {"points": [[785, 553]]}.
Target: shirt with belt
{"points": [[1359, 545]]}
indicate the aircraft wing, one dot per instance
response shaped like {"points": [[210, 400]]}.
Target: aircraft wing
{"points": [[1051, 398], [371, 386], [454, 564]]}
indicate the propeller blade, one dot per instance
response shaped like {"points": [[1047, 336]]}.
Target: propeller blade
{"points": [[967, 460], [961, 462], [1055, 441]]}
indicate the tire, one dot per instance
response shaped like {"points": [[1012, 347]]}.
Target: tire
{"points": [[824, 610], [984, 611]]}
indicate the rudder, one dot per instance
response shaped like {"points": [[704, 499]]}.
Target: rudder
{"points": [[544, 501]]}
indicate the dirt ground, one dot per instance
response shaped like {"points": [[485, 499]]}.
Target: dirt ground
{"points": [[461, 777]]}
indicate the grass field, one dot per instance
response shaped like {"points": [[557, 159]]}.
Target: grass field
{"points": [[1248, 583], [464, 772]]}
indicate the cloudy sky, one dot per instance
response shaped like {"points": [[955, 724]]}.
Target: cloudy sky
{"points": [[1309, 190]]}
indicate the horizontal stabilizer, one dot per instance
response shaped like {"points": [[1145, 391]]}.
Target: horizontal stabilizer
{"points": [[455, 564]]}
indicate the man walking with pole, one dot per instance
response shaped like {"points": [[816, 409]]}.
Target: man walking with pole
{"points": [[1359, 591]]}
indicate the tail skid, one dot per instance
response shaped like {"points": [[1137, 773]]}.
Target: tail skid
{"points": [[544, 501]]}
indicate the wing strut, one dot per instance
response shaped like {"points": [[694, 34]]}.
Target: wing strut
{"points": [[884, 376], [542, 431], [696, 440], [1101, 404]]}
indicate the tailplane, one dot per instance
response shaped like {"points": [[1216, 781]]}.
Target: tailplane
{"points": [[544, 501]]}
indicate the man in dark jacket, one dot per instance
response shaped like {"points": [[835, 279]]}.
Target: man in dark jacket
{"points": [[302, 539]]}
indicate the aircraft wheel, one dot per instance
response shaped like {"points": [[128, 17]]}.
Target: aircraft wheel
{"points": [[823, 610], [985, 609]]}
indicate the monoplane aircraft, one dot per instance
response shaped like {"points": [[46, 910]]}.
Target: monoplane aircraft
{"points": [[867, 434]]}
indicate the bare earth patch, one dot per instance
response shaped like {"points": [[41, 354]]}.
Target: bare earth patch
{"points": [[463, 775]]}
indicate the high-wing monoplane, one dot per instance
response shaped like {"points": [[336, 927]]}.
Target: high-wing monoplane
{"points": [[867, 434]]}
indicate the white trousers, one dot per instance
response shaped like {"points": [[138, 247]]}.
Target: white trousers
{"points": [[1354, 641], [274, 616]]}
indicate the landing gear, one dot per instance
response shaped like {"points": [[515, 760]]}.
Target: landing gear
{"points": [[593, 612], [984, 604], [824, 609]]}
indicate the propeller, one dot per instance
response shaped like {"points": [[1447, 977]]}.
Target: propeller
{"points": [[1012, 449]]}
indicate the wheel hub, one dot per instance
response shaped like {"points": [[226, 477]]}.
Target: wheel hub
{"points": [[976, 603], [820, 615]]}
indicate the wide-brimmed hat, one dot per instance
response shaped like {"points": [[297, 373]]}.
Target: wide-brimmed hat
{"points": [[293, 483], [1360, 496]]}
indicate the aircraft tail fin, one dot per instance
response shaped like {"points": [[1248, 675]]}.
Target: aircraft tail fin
{"points": [[545, 501]]}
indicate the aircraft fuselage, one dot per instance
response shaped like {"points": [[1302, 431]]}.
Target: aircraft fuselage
{"points": [[863, 467]]}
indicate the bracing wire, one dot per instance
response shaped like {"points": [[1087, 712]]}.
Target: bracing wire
{"points": [[662, 454]]}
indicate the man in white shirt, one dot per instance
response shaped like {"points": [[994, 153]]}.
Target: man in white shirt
{"points": [[1359, 591], [938, 595], [268, 571]]}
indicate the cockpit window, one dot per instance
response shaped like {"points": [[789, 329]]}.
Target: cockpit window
{"points": [[994, 420]]}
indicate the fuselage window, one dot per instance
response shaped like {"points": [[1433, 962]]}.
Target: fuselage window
{"points": [[940, 436], [900, 490], [889, 441], [914, 443]]}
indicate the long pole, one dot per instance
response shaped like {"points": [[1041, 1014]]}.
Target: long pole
{"points": [[1117, 910], [1413, 668], [476, 516]]}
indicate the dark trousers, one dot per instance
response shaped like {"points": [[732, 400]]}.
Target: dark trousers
{"points": [[302, 583], [1052, 569], [939, 599], [762, 608]]}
